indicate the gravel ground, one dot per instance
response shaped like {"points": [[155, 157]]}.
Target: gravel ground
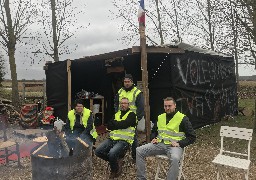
{"points": [[197, 165]]}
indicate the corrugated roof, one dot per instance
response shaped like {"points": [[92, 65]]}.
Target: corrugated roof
{"points": [[127, 52], [200, 50], [109, 55]]}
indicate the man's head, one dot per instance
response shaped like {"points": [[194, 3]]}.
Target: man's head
{"points": [[169, 105], [124, 104], [79, 106], [128, 81]]}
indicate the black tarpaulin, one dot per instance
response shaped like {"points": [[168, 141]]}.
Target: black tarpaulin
{"points": [[202, 82], [57, 88]]}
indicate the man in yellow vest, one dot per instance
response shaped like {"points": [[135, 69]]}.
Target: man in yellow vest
{"points": [[122, 131], [80, 124], [136, 100], [170, 134]]}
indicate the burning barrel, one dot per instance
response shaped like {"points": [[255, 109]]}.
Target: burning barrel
{"points": [[77, 166]]}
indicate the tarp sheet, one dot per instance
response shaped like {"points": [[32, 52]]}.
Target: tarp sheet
{"points": [[57, 88], [204, 87]]}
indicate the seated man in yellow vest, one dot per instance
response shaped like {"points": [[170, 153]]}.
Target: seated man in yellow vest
{"points": [[136, 100], [122, 131], [80, 124], [170, 134]]}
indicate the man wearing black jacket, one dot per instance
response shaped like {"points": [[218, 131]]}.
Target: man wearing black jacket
{"points": [[136, 100], [80, 124], [122, 131], [170, 134]]}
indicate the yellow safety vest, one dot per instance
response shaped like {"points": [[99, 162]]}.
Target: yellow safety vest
{"points": [[131, 95], [85, 117], [123, 134], [170, 132]]}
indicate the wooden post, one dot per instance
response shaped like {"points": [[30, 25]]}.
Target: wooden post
{"points": [[44, 92], [24, 93], [144, 70], [69, 83]]}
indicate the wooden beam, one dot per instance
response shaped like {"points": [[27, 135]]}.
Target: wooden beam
{"points": [[44, 156], [82, 142], [115, 69], [151, 49], [144, 69], [69, 84], [38, 149]]}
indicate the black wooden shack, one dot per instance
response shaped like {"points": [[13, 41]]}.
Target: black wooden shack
{"points": [[203, 82]]}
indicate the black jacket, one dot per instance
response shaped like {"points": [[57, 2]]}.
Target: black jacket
{"points": [[80, 127], [185, 126], [130, 121]]}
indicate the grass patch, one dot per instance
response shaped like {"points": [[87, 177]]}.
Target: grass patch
{"points": [[5, 93], [210, 135]]}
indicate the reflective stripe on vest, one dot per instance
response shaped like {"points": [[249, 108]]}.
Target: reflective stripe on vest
{"points": [[123, 134], [166, 139], [170, 132], [131, 95], [85, 117], [123, 137]]}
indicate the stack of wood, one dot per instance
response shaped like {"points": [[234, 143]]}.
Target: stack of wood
{"points": [[9, 111]]}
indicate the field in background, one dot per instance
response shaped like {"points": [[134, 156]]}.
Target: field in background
{"points": [[8, 84], [5, 90], [248, 83]]}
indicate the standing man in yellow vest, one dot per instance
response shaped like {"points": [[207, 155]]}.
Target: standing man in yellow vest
{"points": [[122, 131], [80, 124], [170, 134], [136, 100]]}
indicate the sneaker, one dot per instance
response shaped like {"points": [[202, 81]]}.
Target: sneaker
{"points": [[120, 166], [115, 174], [133, 161]]}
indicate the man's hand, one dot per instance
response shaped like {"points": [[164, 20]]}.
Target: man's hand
{"points": [[154, 141], [111, 125], [175, 144]]}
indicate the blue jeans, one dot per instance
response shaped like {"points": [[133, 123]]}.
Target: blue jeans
{"points": [[111, 151], [174, 154]]}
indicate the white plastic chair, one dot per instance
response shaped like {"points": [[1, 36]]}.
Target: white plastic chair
{"points": [[225, 159], [160, 166]]}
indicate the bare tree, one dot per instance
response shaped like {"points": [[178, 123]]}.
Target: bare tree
{"points": [[212, 24], [127, 11], [206, 21], [163, 24], [59, 22], [2, 68], [54, 32], [247, 17], [14, 24], [160, 30], [234, 25]]}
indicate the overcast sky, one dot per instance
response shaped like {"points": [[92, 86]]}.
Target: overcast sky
{"points": [[100, 37]]}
